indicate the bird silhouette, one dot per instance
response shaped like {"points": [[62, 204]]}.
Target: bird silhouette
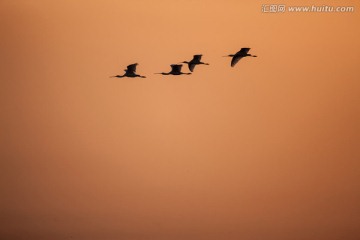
{"points": [[195, 61], [239, 55], [130, 72], [175, 70]]}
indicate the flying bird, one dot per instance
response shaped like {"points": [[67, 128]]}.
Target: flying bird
{"points": [[175, 70], [195, 61], [239, 55], [130, 72]]}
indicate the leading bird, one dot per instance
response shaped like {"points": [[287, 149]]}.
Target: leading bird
{"points": [[175, 70], [195, 61], [239, 55], [130, 72]]}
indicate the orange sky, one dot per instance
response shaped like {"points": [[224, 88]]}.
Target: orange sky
{"points": [[265, 150]]}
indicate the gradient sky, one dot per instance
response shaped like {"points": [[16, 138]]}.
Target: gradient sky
{"points": [[266, 150]]}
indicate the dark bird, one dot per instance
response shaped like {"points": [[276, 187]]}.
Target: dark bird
{"points": [[175, 70], [239, 55], [130, 72], [195, 61]]}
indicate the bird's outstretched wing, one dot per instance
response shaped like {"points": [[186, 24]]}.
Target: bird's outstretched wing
{"points": [[191, 66], [197, 57], [176, 67], [235, 59], [243, 51], [132, 68]]}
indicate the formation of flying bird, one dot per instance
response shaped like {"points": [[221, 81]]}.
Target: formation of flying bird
{"points": [[130, 71]]}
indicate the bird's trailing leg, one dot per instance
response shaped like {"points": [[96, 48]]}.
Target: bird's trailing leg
{"points": [[117, 76]]}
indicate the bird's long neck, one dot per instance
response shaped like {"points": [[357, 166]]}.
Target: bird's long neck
{"points": [[250, 55], [117, 76]]}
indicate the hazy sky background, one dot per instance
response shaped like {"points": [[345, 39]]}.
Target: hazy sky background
{"points": [[266, 150]]}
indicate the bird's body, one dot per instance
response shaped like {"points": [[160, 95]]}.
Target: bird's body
{"points": [[130, 71], [244, 52], [175, 70], [195, 61]]}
